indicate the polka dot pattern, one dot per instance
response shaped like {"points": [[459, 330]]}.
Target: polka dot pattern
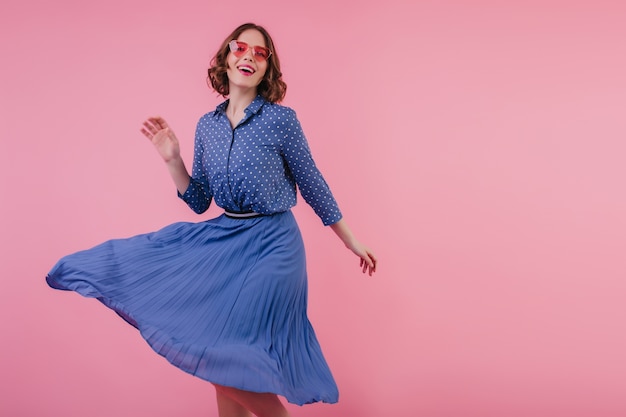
{"points": [[257, 165]]}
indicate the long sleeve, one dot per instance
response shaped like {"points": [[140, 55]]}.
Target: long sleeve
{"points": [[198, 196], [309, 179]]}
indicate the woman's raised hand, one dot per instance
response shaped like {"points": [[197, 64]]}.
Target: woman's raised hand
{"points": [[162, 137]]}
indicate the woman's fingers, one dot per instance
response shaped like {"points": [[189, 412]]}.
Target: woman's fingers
{"points": [[153, 125], [148, 129], [372, 262], [160, 122], [368, 263], [146, 133]]}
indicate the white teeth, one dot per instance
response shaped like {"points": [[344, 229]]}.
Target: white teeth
{"points": [[246, 69]]}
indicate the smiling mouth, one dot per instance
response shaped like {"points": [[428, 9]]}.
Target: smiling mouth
{"points": [[246, 70]]}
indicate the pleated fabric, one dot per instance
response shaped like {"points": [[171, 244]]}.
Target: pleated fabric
{"points": [[224, 300]]}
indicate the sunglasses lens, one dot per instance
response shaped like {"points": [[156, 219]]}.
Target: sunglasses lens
{"points": [[238, 49], [261, 52]]}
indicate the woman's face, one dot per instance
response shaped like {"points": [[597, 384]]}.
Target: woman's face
{"points": [[247, 71]]}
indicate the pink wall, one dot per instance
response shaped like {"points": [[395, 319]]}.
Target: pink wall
{"points": [[479, 149]]}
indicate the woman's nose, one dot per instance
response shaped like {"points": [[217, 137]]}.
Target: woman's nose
{"points": [[249, 53]]}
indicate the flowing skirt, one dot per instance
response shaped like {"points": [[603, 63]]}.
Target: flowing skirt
{"points": [[224, 300]]}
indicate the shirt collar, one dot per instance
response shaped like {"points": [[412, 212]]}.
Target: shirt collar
{"points": [[253, 107]]}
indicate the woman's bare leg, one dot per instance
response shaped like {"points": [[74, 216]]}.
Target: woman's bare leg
{"points": [[233, 401], [227, 407]]}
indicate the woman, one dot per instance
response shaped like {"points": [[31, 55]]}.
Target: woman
{"points": [[225, 299]]}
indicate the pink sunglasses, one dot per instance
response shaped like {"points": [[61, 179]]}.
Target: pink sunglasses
{"points": [[239, 48]]}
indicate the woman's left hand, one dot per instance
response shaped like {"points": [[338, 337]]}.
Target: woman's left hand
{"points": [[368, 259]]}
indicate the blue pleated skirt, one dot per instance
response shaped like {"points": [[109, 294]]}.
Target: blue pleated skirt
{"points": [[224, 300]]}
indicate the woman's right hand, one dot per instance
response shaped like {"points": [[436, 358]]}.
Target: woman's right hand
{"points": [[162, 137]]}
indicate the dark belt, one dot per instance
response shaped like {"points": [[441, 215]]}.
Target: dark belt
{"points": [[242, 214]]}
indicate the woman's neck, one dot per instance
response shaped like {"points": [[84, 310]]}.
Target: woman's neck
{"points": [[239, 99]]}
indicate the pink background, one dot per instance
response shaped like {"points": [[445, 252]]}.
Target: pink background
{"points": [[479, 149]]}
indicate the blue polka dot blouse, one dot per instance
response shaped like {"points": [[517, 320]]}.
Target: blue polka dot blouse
{"points": [[256, 165]]}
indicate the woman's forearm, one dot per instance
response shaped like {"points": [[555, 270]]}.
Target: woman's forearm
{"points": [[344, 233], [179, 174]]}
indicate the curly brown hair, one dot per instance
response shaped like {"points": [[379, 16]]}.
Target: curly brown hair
{"points": [[272, 87]]}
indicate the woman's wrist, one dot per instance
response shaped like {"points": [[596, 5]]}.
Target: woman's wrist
{"points": [[344, 233]]}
